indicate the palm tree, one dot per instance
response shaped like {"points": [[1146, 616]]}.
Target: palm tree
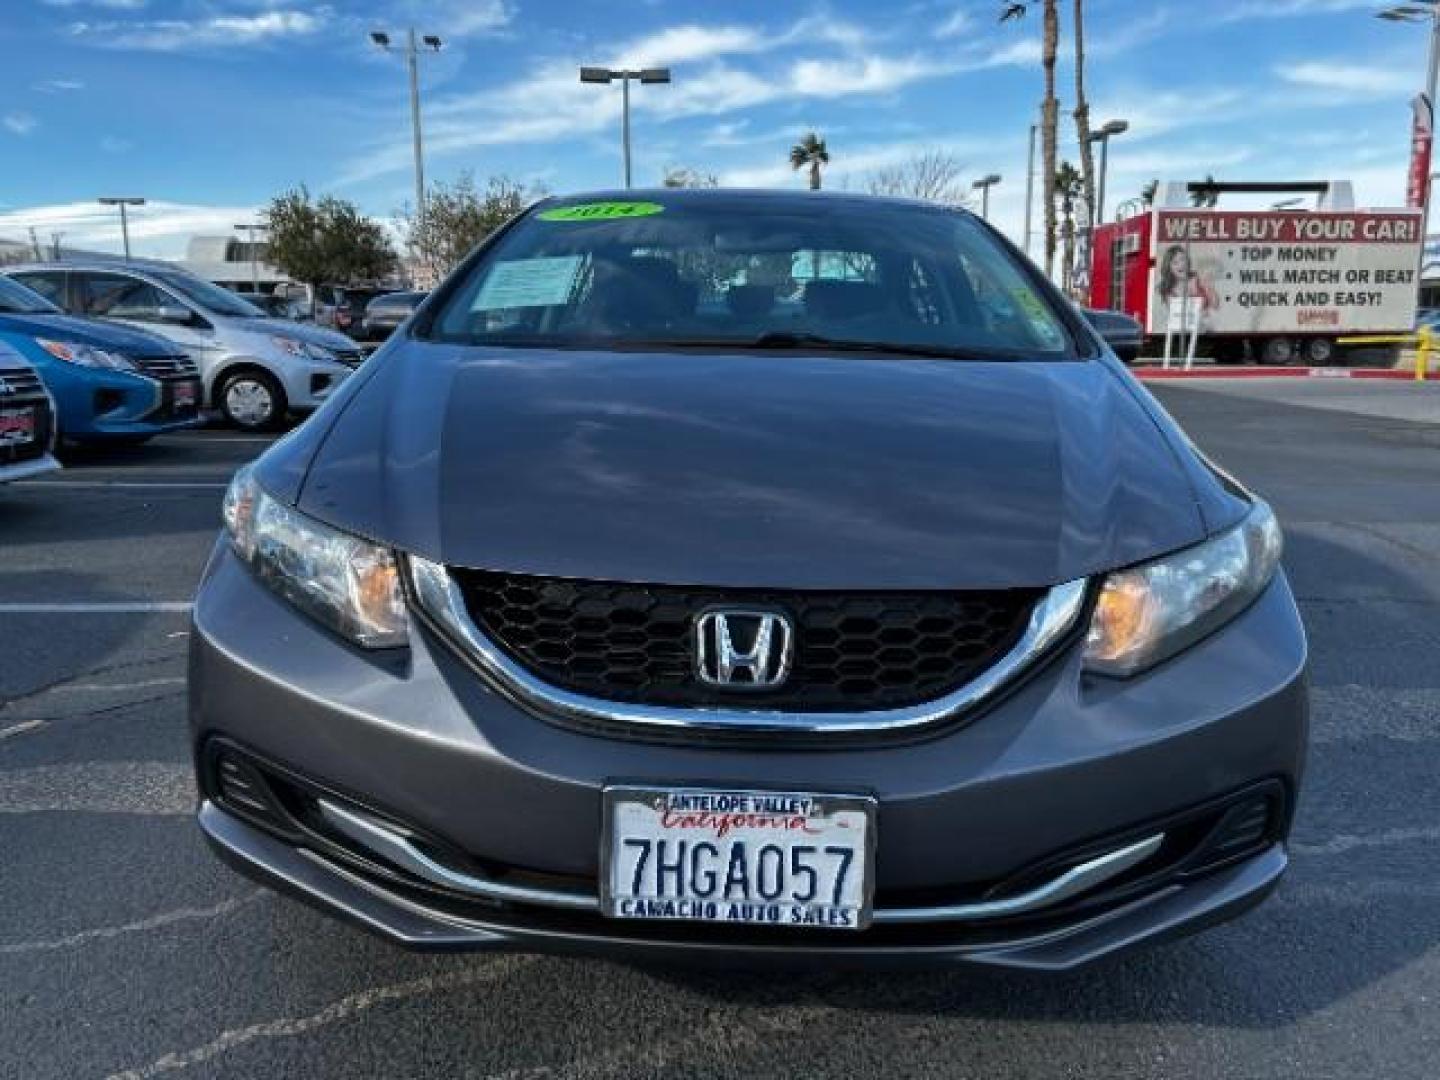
{"points": [[1069, 186], [1049, 109], [810, 153], [1082, 114]]}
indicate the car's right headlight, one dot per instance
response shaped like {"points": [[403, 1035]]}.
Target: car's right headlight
{"points": [[345, 582], [1150, 612], [73, 352], [305, 349]]}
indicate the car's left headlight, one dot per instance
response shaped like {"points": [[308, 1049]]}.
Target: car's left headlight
{"points": [[1150, 612], [72, 352], [306, 349], [349, 584]]}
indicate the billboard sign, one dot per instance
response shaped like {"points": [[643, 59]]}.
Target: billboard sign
{"points": [[1422, 137], [1272, 272]]}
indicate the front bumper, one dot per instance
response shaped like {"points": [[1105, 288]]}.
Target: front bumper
{"points": [[1157, 916], [1063, 762]]}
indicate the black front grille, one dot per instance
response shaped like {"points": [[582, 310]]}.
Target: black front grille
{"points": [[23, 397], [855, 651]]}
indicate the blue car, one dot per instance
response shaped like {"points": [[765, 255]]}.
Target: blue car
{"points": [[110, 384]]}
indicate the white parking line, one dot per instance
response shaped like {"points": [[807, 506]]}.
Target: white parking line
{"points": [[498, 968], [154, 922], [119, 607]]}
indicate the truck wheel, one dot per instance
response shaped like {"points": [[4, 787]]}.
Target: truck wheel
{"points": [[1277, 351], [252, 401], [1230, 351], [1321, 352]]}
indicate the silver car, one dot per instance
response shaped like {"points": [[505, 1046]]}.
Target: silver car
{"points": [[256, 369]]}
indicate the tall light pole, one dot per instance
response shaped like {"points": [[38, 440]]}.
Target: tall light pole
{"points": [[1421, 11], [609, 75], [411, 50], [249, 228], [983, 185], [1114, 127], [123, 203]]}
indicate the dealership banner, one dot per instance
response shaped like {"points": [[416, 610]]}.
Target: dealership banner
{"points": [[1284, 272]]}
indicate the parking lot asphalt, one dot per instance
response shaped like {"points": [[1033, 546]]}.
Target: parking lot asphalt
{"points": [[126, 950]]}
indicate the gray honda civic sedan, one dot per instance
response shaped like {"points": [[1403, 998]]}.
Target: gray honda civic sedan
{"points": [[750, 576]]}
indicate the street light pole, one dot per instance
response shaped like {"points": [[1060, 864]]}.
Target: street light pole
{"points": [[609, 75], [1114, 127], [983, 185], [1417, 11], [412, 49], [123, 203]]}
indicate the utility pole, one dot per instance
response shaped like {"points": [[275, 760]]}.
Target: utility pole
{"points": [[123, 203]]}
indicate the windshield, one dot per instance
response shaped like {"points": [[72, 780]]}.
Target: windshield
{"points": [[16, 299], [212, 298], [756, 273]]}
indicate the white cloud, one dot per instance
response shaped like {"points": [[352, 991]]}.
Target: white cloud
{"points": [[178, 35], [1356, 81], [158, 229], [957, 23], [1287, 9], [19, 123], [109, 5], [57, 86]]}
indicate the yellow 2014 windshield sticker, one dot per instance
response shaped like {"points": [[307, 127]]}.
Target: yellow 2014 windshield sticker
{"points": [[601, 211]]}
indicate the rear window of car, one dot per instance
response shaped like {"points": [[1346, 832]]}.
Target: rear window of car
{"points": [[729, 272]]}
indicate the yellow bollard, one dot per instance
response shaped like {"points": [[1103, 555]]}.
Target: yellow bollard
{"points": [[1422, 354]]}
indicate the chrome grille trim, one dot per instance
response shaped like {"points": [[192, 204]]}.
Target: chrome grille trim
{"points": [[440, 597], [396, 849]]}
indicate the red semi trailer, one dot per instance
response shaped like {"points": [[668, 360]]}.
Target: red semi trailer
{"points": [[1272, 286]]}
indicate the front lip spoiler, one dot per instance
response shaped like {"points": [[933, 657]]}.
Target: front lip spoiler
{"points": [[1053, 617], [396, 849], [1168, 912]]}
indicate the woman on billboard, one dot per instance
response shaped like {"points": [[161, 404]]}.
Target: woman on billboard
{"points": [[1187, 293]]}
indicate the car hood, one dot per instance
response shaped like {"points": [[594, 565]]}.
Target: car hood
{"points": [[93, 332], [779, 470], [315, 335]]}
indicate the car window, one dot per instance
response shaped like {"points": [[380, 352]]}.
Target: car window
{"points": [[722, 273], [119, 296], [49, 284], [16, 298]]}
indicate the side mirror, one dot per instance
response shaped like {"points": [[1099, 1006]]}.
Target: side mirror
{"points": [[171, 313]]}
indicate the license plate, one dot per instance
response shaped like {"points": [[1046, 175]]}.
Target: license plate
{"points": [[17, 427], [185, 396], [752, 858]]}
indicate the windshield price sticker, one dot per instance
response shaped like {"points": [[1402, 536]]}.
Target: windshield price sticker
{"points": [[749, 858], [601, 211], [521, 283]]}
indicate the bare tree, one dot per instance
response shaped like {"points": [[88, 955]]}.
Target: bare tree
{"points": [[932, 175]]}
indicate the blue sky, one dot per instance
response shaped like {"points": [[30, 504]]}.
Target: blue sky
{"points": [[209, 107]]}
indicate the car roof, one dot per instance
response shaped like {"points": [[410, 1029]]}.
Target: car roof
{"points": [[117, 266]]}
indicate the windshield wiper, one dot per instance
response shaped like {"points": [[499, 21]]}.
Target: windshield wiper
{"points": [[795, 339]]}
